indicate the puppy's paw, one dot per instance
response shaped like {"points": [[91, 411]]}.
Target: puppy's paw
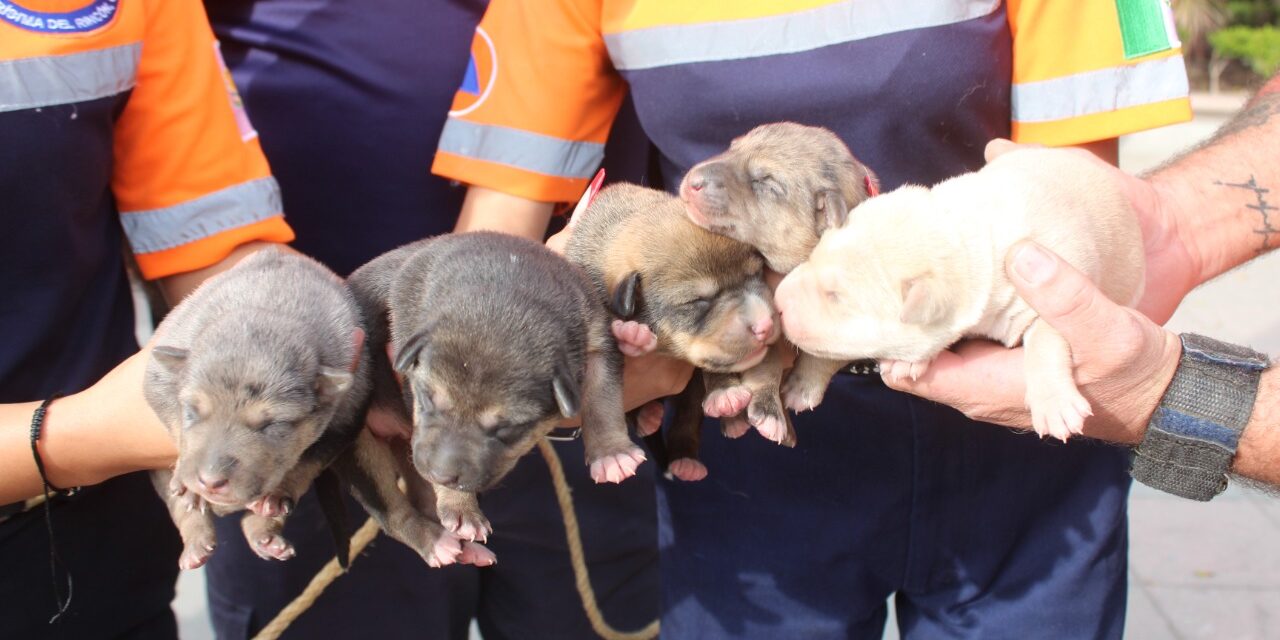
{"points": [[1059, 414], [617, 467], [271, 505], [687, 469], [468, 524], [196, 552], [477, 554], [728, 401], [899, 370], [800, 394], [272, 546], [735, 426], [444, 551], [649, 419], [766, 414], [634, 339]]}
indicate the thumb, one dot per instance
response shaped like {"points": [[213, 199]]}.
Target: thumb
{"points": [[1000, 146], [1063, 296]]}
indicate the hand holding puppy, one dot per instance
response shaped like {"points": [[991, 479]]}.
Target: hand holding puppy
{"points": [[1122, 360]]}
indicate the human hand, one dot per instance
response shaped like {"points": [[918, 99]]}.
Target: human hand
{"points": [[1122, 360], [1172, 269]]}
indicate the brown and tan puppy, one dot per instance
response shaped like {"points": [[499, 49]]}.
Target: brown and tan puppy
{"points": [[778, 188], [702, 295], [917, 269]]}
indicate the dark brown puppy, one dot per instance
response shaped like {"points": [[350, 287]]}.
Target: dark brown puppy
{"points": [[702, 295], [778, 188]]}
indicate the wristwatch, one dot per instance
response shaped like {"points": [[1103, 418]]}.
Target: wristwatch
{"points": [[1192, 436]]}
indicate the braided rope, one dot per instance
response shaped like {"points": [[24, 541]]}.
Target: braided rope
{"points": [[577, 558]]}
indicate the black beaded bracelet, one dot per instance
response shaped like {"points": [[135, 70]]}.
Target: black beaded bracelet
{"points": [[37, 424]]}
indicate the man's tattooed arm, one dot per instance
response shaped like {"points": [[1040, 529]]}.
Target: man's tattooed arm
{"points": [[1224, 196]]}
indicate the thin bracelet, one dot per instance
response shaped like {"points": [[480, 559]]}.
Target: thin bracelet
{"points": [[37, 423]]}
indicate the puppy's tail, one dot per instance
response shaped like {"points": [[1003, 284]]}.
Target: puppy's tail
{"points": [[329, 493]]}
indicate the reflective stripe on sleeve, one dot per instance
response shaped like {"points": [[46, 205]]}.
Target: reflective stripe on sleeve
{"points": [[29, 83], [525, 150], [235, 206], [1100, 91], [787, 33]]}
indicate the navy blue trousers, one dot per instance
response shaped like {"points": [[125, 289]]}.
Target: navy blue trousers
{"points": [[981, 532], [391, 593]]}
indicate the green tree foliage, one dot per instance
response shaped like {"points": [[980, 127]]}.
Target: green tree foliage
{"points": [[1257, 47]]}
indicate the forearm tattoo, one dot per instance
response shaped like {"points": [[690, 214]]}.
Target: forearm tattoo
{"points": [[1256, 113], [1264, 209]]}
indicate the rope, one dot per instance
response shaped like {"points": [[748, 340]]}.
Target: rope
{"points": [[319, 583], [578, 559], [573, 536]]}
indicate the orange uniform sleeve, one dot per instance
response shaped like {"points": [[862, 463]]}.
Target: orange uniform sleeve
{"points": [[189, 179], [536, 103], [1080, 76]]}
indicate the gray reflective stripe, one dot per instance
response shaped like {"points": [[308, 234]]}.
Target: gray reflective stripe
{"points": [[1100, 91], [236, 206], [27, 83], [789, 33], [521, 149]]}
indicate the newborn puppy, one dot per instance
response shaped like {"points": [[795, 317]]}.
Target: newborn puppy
{"points": [[702, 295], [260, 378], [917, 269], [778, 188], [497, 339]]}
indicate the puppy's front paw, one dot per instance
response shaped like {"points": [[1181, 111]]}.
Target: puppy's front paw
{"points": [[616, 467], [1058, 413], [727, 401], [196, 551], [687, 469], [801, 394], [735, 426], [468, 524], [271, 505], [766, 414], [649, 419], [634, 339], [898, 370], [477, 554]]}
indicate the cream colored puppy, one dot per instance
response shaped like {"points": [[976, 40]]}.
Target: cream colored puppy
{"points": [[917, 269]]}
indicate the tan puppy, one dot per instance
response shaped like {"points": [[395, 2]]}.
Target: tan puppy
{"points": [[917, 269], [777, 188]]}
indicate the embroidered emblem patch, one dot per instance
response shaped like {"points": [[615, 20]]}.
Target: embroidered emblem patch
{"points": [[93, 15], [482, 70]]}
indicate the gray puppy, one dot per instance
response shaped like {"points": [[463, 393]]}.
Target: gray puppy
{"points": [[261, 379], [702, 295], [497, 339], [778, 188]]}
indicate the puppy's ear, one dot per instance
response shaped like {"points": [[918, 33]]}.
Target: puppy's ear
{"points": [[331, 383], [565, 388], [922, 301], [173, 359], [411, 353], [830, 209], [623, 304]]}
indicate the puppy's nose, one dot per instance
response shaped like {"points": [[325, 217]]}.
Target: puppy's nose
{"points": [[762, 328], [213, 483], [697, 183]]}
